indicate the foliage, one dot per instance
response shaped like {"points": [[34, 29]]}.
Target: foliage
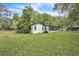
{"points": [[30, 17], [47, 18], [70, 10], [36, 18], [16, 16], [5, 22], [62, 7], [16, 20], [74, 12], [2, 9], [24, 25]]}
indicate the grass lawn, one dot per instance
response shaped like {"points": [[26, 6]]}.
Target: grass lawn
{"points": [[60, 43]]}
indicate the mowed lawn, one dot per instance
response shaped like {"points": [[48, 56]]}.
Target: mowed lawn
{"points": [[53, 44]]}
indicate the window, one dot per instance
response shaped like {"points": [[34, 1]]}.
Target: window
{"points": [[35, 28], [42, 28], [45, 28]]}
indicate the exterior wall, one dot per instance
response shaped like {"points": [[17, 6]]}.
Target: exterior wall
{"points": [[39, 28], [47, 28]]}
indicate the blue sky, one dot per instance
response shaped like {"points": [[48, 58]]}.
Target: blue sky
{"points": [[40, 7]]}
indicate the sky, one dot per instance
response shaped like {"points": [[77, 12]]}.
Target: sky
{"points": [[40, 7]]}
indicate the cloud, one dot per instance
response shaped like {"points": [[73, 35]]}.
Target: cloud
{"points": [[45, 8], [14, 10], [19, 8], [40, 7]]}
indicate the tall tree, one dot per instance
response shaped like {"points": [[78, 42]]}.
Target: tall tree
{"points": [[24, 25], [36, 18], [15, 20], [5, 21], [3, 11], [16, 16], [70, 10], [46, 18]]}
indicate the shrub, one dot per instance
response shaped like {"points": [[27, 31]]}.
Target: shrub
{"points": [[45, 32]]}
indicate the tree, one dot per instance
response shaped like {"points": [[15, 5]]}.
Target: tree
{"points": [[5, 21], [47, 19], [70, 11], [15, 20], [16, 16], [35, 18], [24, 26]]}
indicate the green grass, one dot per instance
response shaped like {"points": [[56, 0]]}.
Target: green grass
{"points": [[60, 43]]}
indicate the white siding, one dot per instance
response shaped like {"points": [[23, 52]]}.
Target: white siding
{"points": [[39, 28], [47, 28]]}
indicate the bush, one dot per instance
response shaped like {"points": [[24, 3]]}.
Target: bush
{"points": [[23, 28], [45, 32]]}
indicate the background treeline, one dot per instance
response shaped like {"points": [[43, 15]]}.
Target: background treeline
{"points": [[29, 17]]}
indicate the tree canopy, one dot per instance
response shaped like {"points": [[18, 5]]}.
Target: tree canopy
{"points": [[30, 16], [70, 10], [5, 21]]}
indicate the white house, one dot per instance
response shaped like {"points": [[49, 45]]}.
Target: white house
{"points": [[39, 28]]}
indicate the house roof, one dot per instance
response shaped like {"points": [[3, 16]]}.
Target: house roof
{"points": [[39, 23], [75, 26]]}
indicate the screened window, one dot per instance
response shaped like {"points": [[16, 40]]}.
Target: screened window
{"points": [[45, 28], [35, 28], [42, 28]]}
